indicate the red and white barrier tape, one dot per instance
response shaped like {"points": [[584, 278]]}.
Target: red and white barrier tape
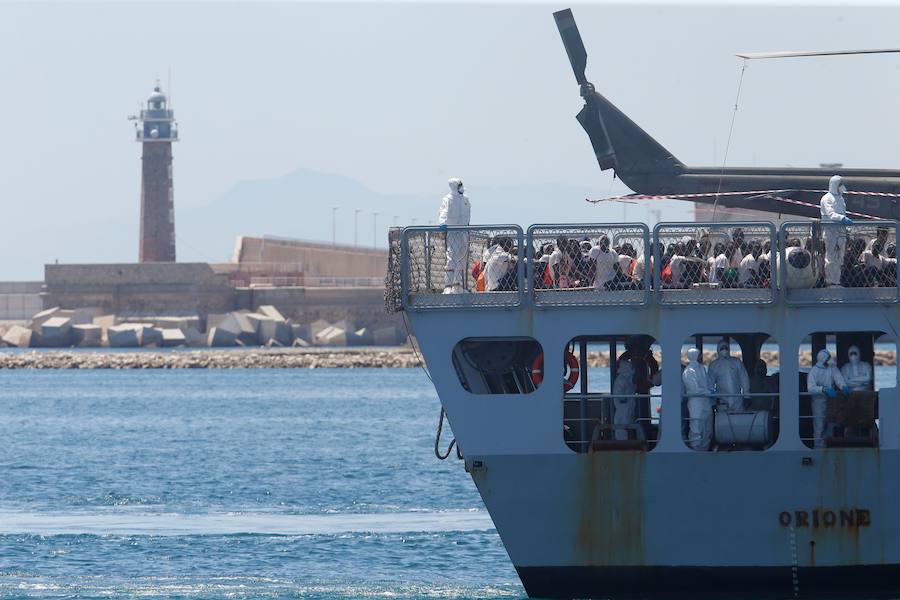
{"points": [[750, 194]]}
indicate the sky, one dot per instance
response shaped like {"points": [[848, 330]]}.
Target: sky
{"points": [[401, 96]]}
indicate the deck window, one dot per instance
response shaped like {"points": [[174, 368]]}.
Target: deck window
{"points": [[730, 391], [839, 399], [611, 393], [497, 365]]}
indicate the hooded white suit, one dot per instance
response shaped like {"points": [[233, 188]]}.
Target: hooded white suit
{"points": [[821, 377], [857, 373], [623, 390], [699, 403], [833, 216], [729, 377], [455, 210]]}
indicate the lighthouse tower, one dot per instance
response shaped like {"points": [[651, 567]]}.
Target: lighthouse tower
{"points": [[156, 130]]}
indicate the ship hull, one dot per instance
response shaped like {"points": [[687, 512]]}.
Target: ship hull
{"points": [[724, 525]]}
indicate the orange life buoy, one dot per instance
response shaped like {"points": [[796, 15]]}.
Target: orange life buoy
{"points": [[537, 371]]}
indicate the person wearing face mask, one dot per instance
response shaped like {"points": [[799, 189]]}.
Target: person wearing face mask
{"points": [[729, 378], [455, 211], [623, 398], [857, 373], [699, 402], [823, 382], [833, 218]]}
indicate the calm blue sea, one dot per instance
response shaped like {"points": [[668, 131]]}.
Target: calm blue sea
{"points": [[236, 484], [239, 484]]}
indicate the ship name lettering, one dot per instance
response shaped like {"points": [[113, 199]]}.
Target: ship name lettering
{"points": [[844, 517]]}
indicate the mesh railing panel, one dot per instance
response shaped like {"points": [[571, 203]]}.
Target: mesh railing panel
{"points": [[463, 266], [834, 263], [714, 263], [393, 280], [573, 265]]}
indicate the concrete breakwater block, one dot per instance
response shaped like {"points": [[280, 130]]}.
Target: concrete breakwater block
{"points": [[364, 336], [193, 337], [301, 332], [388, 336], [271, 312], [87, 336], [180, 323], [104, 321], [41, 317], [271, 330], [151, 337], [317, 327], [241, 327], [214, 319], [172, 337], [123, 336], [55, 332], [219, 337], [18, 336]]}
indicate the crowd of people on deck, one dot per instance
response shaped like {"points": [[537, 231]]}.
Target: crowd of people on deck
{"points": [[831, 256]]}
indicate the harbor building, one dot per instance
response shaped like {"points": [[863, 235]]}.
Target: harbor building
{"points": [[156, 129]]}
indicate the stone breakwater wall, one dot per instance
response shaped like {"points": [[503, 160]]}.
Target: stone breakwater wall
{"points": [[399, 358]]}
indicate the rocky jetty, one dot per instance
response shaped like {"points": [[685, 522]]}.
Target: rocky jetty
{"points": [[282, 358]]}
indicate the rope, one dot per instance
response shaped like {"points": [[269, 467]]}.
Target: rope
{"points": [[728, 143], [437, 440]]}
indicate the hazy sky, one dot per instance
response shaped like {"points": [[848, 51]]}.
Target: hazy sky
{"points": [[402, 96]]}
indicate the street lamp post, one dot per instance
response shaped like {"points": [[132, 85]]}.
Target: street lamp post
{"points": [[356, 212], [334, 210], [375, 229]]}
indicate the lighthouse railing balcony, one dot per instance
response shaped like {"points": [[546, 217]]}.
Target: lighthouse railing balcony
{"points": [[172, 136], [714, 263], [588, 265], [462, 267], [833, 263]]}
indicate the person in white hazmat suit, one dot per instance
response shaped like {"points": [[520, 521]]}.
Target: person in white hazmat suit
{"points": [[834, 233], [856, 372], [455, 211], [623, 391], [700, 401], [729, 378], [823, 381]]}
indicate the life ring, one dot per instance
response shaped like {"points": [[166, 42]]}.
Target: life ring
{"points": [[537, 370]]}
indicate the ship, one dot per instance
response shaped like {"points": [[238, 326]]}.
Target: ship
{"points": [[527, 360]]}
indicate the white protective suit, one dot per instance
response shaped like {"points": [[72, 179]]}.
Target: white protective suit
{"points": [[623, 390], [822, 377], [857, 373], [455, 210], [729, 378], [699, 402], [834, 234]]}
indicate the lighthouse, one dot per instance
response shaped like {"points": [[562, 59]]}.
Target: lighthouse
{"points": [[156, 130]]}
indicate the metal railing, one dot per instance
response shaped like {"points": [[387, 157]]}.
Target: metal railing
{"points": [[584, 265], [477, 267], [853, 431], [714, 263], [690, 264], [835, 263], [595, 427]]}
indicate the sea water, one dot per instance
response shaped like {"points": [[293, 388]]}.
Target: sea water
{"points": [[282, 483]]}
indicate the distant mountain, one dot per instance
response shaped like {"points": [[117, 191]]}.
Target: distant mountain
{"points": [[299, 205]]}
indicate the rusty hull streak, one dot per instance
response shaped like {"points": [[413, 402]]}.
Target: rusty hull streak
{"points": [[844, 482], [611, 516]]}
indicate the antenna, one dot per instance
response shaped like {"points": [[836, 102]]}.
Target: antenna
{"points": [[169, 86], [802, 53]]}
